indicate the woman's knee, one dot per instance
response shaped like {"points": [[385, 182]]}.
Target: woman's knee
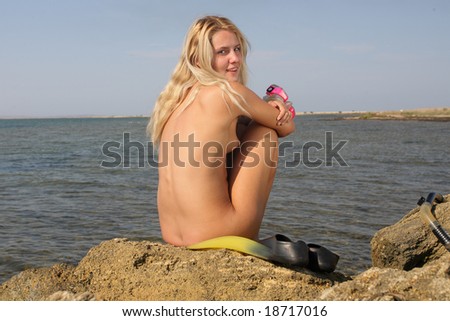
{"points": [[256, 132], [262, 141]]}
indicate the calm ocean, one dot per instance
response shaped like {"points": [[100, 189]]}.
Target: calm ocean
{"points": [[338, 183]]}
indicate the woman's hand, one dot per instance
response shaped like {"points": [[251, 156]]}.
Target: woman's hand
{"points": [[285, 115]]}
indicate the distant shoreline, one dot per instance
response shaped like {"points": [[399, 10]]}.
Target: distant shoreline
{"points": [[315, 113], [423, 114], [429, 114]]}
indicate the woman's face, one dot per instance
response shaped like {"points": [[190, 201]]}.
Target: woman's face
{"points": [[227, 54]]}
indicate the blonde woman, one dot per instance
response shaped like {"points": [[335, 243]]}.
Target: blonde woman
{"points": [[217, 140]]}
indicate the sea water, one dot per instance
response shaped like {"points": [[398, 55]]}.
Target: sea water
{"points": [[68, 184]]}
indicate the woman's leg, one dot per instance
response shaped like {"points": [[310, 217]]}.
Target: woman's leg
{"points": [[251, 177]]}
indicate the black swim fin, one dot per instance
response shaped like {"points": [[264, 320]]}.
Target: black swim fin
{"points": [[312, 256], [277, 248], [321, 259], [284, 250]]}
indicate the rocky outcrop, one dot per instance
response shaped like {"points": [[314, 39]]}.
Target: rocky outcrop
{"points": [[120, 269], [409, 243], [409, 264], [431, 282]]}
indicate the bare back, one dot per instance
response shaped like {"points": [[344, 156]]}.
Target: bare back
{"points": [[193, 190]]}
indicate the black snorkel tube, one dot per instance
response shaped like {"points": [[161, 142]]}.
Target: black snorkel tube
{"points": [[426, 213]]}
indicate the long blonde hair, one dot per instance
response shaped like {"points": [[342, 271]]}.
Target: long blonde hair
{"points": [[195, 65]]}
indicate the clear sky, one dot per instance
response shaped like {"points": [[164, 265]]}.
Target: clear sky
{"points": [[99, 57]]}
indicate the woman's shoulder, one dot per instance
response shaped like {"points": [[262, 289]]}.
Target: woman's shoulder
{"points": [[242, 90], [212, 99], [214, 90], [239, 87], [215, 96], [210, 96], [211, 91]]}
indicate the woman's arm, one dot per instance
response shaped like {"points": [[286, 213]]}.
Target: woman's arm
{"points": [[265, 113]]}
